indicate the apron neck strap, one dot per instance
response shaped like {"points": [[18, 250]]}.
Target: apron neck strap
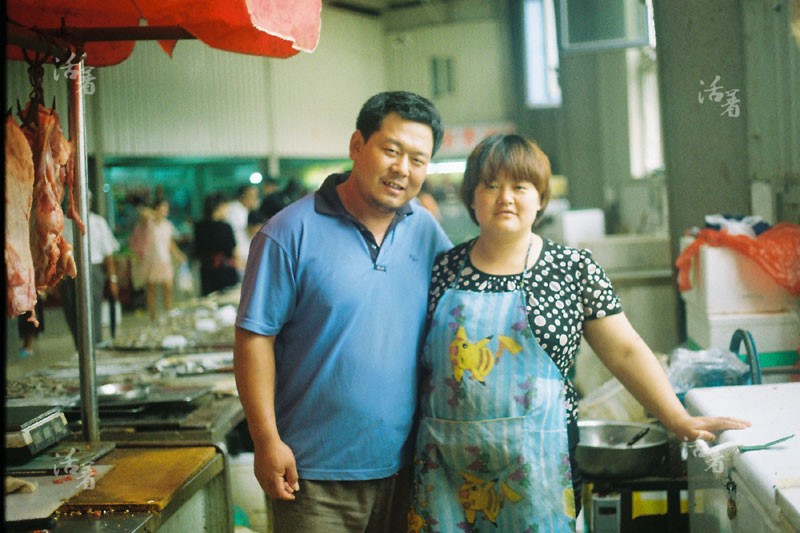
{"points": [[469, 251]]}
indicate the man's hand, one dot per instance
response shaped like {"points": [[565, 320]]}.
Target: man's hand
{"points": [[113, 287], [276, 471]]}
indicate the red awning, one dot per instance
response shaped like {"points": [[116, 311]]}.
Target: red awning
{"points": [[106, 30]]}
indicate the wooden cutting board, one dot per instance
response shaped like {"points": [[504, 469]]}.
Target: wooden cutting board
{"points": [[143, 479]]}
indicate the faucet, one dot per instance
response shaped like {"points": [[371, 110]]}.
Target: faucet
{"points": [[742, 336]]}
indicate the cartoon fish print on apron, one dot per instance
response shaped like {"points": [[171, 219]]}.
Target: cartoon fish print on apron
{"points": [[492, 450]]}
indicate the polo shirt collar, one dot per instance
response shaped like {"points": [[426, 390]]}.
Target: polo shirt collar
{"points": [[327, 201]]}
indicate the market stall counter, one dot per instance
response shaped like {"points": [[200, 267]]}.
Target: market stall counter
{"points": [[153, 394], [134, 489]]}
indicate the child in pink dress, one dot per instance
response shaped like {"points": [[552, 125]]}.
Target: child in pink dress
{"points": [[158, 249]]}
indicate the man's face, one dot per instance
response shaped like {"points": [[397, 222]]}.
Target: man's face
{"points": [[391, 166], [250, 198]]}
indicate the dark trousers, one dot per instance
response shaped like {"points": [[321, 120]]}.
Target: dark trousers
{"points": [[371, 506], [69, 300]]}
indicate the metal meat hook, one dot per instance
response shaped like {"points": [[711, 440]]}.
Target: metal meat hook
{"points": [[30, 116]]}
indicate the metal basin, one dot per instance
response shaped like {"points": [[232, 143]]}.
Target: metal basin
{"points": [[121, 392], [611, 449]]}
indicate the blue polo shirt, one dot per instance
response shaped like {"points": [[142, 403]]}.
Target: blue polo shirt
{"points": [[349, 319]]}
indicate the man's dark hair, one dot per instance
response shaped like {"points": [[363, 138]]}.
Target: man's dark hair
{"points": [[408, 105]]}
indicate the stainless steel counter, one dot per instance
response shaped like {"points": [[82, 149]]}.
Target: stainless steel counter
{"points": [[754, 491]]}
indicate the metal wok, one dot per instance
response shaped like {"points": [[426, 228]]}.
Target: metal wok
{"points": [[620, 449]]}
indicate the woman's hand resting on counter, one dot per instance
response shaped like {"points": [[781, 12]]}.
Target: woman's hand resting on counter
{"points": [[692, 428]]}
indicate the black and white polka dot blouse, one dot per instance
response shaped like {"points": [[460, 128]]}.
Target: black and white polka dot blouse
{"points": [[564, 288]]}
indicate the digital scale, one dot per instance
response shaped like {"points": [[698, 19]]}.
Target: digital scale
{"points": [[36, 442], [31, 429]]}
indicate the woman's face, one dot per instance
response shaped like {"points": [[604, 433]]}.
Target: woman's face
{"points": [[505, 206], [162, 210]]}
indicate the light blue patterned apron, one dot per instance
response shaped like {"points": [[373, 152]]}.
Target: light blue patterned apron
{"points": [[492, 450]]}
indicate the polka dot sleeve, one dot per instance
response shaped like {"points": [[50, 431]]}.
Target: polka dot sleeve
{"points": [[599, 298]]}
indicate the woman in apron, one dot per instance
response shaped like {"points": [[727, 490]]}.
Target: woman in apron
{"points": [[495, 447]]}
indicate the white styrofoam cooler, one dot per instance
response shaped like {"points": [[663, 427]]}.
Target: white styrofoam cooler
{"points": [[576, 225], [726, 281], [772, 332], [767, 482]]}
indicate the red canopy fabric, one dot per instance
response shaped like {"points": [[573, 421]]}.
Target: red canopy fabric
{"points": [[273, 28]]}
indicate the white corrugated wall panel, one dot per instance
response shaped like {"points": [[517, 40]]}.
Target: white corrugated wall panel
{"points": [[200, 102], [479, 71], [318, 95]]}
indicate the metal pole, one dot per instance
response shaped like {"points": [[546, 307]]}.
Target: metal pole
{"points": [[86, 353]]}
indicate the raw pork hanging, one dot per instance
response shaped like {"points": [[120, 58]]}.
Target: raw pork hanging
{"points": [[19, 194], [54, 170]]}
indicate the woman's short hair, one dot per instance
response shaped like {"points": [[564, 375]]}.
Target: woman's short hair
{"points": [[517, 157]]}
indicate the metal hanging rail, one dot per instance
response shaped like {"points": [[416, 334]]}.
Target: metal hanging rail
{"points": [[34, 41], [40, 39]]}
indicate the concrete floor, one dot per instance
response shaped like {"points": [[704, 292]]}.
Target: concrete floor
{"points": [[55, 343]]}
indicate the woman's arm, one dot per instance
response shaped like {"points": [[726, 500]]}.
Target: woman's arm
{"points": [[631, 361], [176, 251]]}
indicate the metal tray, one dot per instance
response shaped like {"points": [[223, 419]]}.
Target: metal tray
{"points": [[168, 395], [157, 395], [194, 364]]}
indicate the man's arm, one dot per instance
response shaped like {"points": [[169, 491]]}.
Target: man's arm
{"points": [[254, 368], [111, 274]]}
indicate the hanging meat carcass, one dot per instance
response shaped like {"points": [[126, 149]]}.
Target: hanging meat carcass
{"points": [[20, 283], [53, 164]]}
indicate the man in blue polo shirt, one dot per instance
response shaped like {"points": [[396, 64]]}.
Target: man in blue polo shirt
{"points": [[330, 321]]}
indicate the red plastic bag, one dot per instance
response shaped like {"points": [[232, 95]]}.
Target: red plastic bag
{"points": [[777, 251]]}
